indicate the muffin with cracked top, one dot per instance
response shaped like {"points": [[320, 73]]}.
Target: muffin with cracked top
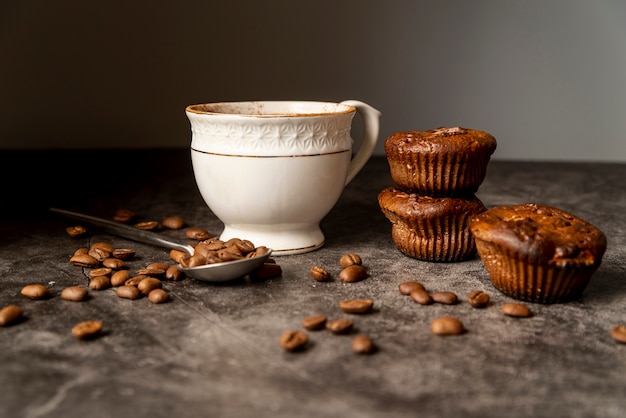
{"points": [[430, 228], [438, 162], [538, 253]]}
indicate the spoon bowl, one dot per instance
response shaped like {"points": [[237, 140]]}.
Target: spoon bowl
{"points": [[216, 272]]}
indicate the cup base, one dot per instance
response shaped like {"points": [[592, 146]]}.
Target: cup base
{"points": [[282, 240]]}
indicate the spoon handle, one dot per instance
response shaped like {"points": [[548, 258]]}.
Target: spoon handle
{"points": [[125, 231]]}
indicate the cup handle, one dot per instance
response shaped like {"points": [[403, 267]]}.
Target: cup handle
{"points": [[371, 120]]}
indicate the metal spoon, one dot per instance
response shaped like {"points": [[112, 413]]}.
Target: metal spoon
{"points": [[217, 272]]}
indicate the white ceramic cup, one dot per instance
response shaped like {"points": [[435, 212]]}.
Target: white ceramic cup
{"points": [[272, 170]]}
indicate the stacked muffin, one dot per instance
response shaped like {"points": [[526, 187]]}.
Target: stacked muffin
{"points": [[436, 175]]}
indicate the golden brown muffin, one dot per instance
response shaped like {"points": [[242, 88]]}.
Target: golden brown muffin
{"points": [[439, 162], [430, 228], [538, 253]]}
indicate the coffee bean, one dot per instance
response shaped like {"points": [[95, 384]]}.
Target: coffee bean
{"points": [[314, 322], [100, 283], [148, 225], [128, 292], [135, 280], [320, 274], [293, 340], [74, 293], [81, 251], [76, 231], [124, 216], [100, 250], [356, 306], [478, 299], [267, 271], [352, 274], [173, 222], [517, 310], [9, 315], [198, 234], [350, 260], [152, 271], [405, 288], [158, 296], [362, 344], [447, 326], [36, 291], [84, 260], [445, 298], [149, 284], [119, 278], [158, 266], [174, 273], [421, 296], [124, 254], [618, 333], [340, 326], [102, 271], [114, 263], [87, 330]]}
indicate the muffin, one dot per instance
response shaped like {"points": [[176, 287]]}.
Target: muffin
{"points": [[537, 253], [430, 228], [441, 161]]}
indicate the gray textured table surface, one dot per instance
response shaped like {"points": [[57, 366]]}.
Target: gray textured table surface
{"points": [[213, 350]]}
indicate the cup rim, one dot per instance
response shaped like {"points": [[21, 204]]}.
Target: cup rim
{"points": [[264, 108]]}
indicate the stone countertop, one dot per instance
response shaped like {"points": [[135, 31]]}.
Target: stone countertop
{"points": [[213, 349]]}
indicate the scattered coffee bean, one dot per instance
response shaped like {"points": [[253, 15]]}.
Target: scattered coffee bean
{"points": [[135, 280], [198, 234], [152, 271], [173, 222], [114, 263], [128, 292], [356, 306], [100, 283], [149, 284], [340, 326], [314, 322], [517, 310], [148, 225], [100, 250], [84, 260], [362, 344], [421, 296], [102, 271], [74, 293], [320, 274], [267, 271], [445, 298], [618, 333], [352, 274], [124, 216], [158, 266], [119, 278], [174, 273], [124, 254], [478, 299], [158, 296], [9, 315], [76, 231], [36, 291], [447, 326], [293, 340], [405, 288], [350, 260], [87, 330], [81, 251]]}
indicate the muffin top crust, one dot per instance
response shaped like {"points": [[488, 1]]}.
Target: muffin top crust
{"points": [[412, 205], [541, 234], [441, 140]]}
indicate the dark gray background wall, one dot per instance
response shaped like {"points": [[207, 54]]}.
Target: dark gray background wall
{"points": [[547, 78]]}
